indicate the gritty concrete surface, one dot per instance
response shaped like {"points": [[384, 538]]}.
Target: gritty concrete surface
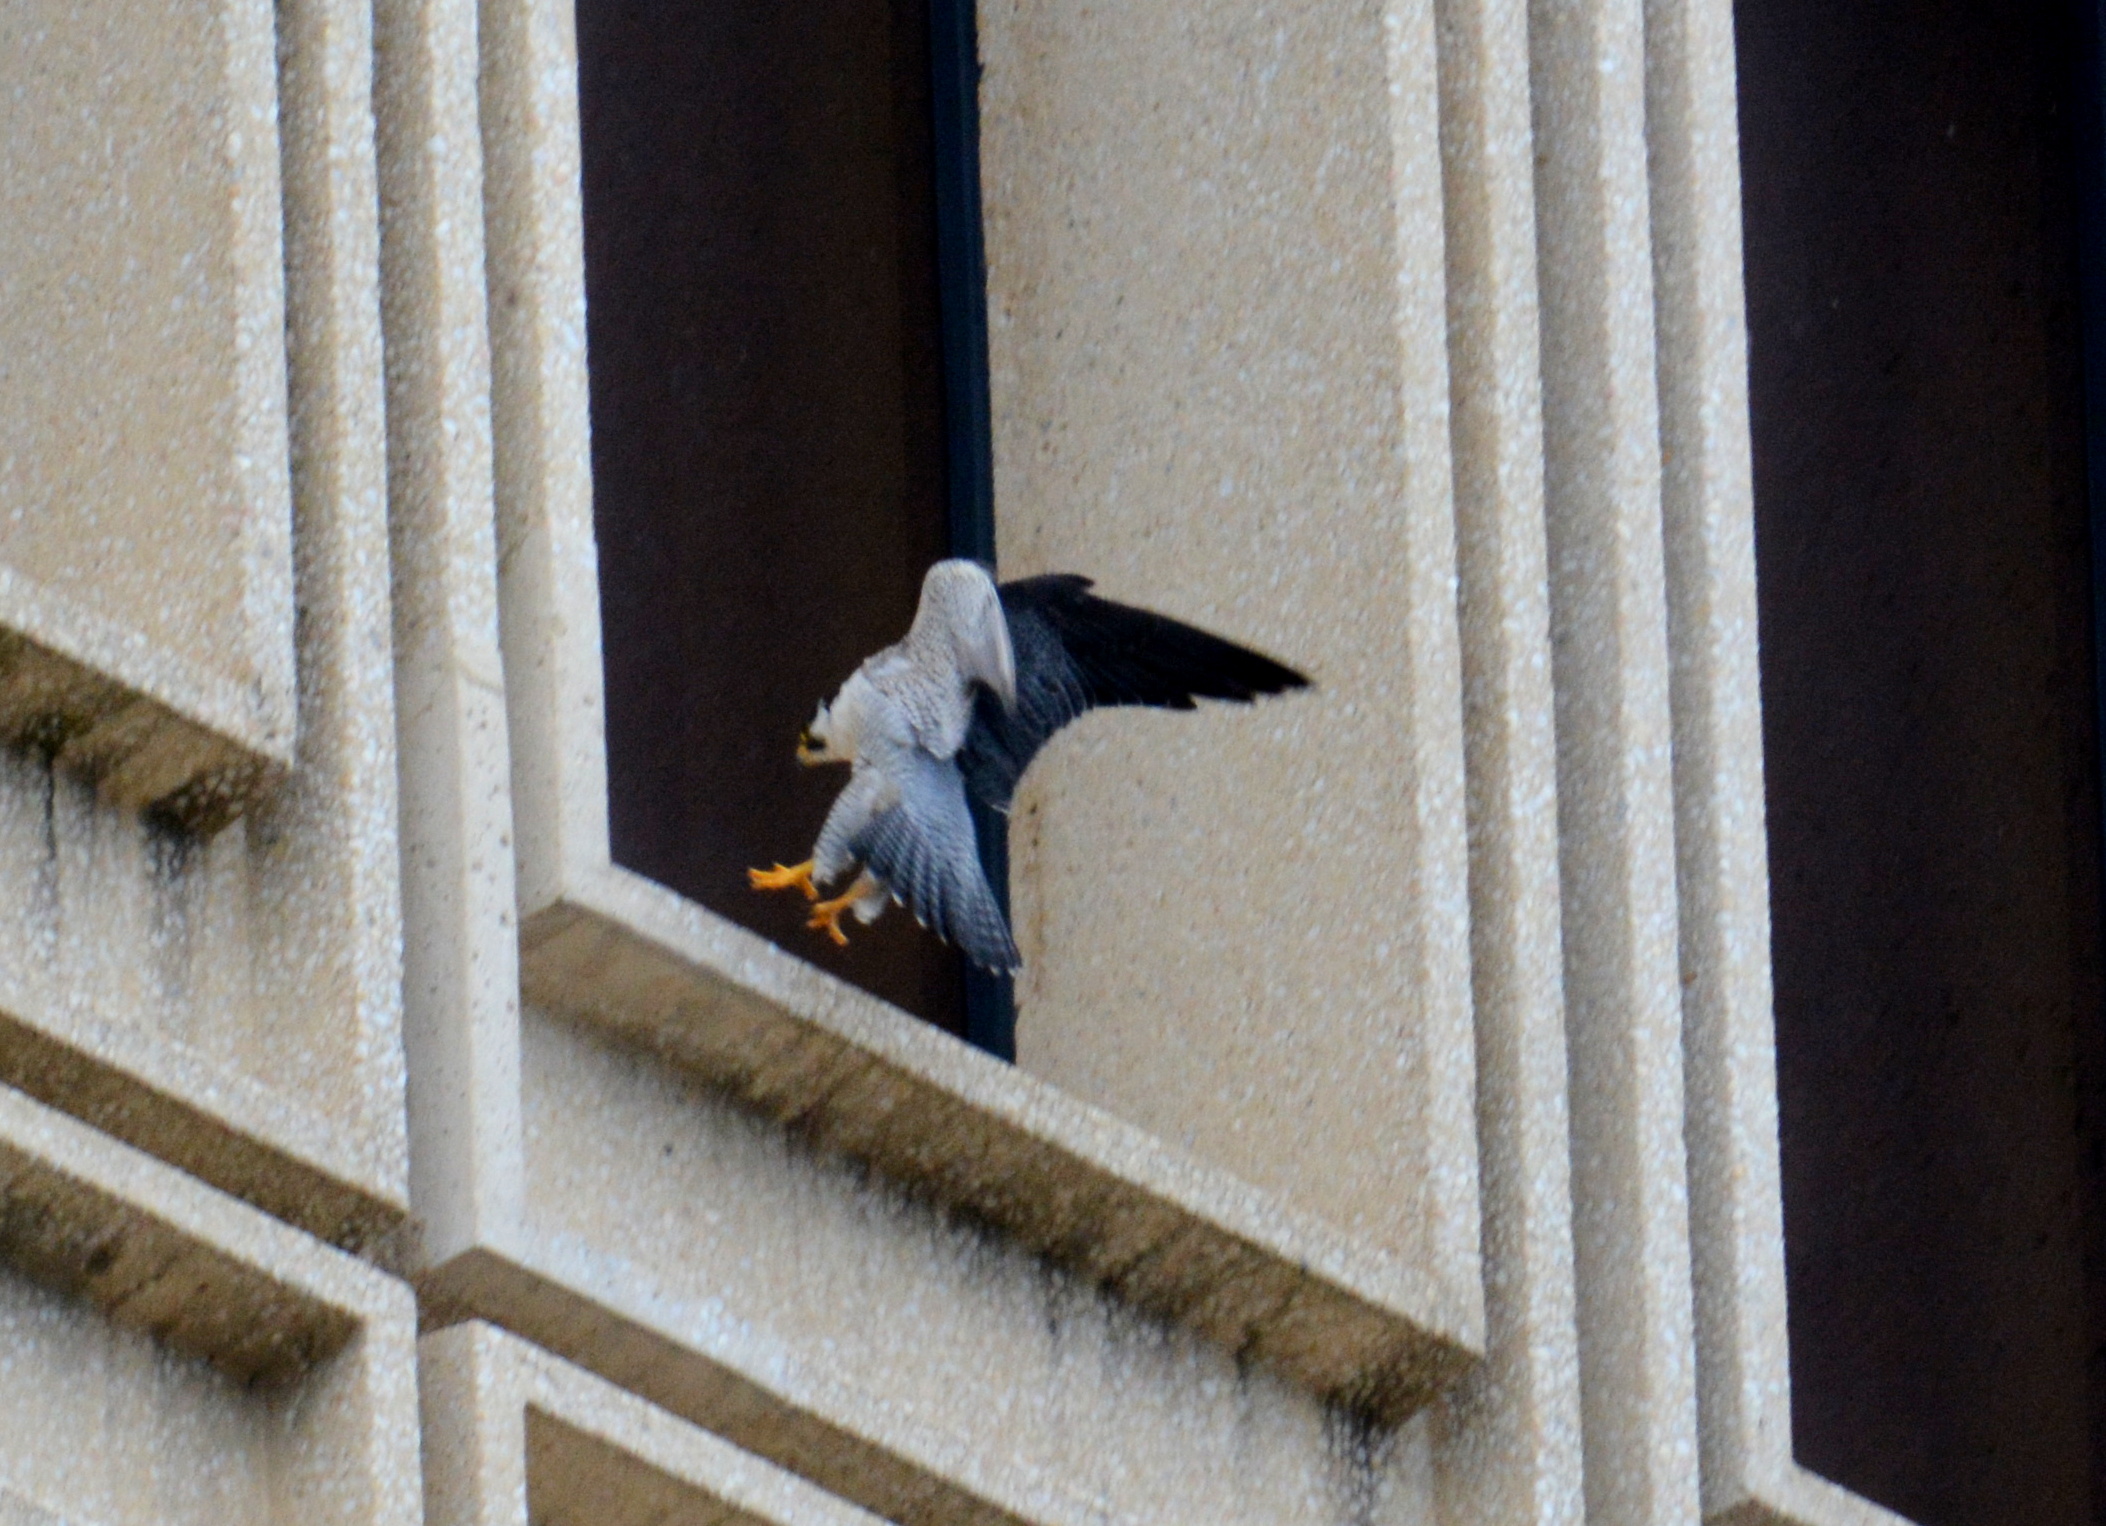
{"points": [[231, 1001], [513, 1435], [1608, 621], [1353, 331], [1508, 1436], [540, 407], [1172, 1234], [172, 1355], [151, 647], [460, 950], [1217, 336], [1378, 1324], [923, 1365], [547, 1242], [1707, 507]]}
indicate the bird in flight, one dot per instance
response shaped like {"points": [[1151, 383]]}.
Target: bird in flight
{"points": [[957, 711]]}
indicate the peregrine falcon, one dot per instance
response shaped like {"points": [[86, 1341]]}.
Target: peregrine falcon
{"points": [[959, 708]]}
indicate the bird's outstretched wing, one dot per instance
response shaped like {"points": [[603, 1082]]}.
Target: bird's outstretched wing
{"points": [[1075, 652], [923, 850]]}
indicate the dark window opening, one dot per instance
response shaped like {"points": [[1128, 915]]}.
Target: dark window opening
{"points": [[1911, 193], [785, 326]]}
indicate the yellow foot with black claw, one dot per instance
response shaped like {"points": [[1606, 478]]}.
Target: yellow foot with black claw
{"points": [[792, 877]]}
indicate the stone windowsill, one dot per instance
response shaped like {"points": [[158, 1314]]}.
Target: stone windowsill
{"points": [[1169, 1235]]}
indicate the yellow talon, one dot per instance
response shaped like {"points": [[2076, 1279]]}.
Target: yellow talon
{"points": [[826, 916], [795, 877]]}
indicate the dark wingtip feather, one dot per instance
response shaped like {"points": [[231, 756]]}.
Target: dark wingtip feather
{"points": [[1076, 652], [1262, 675], [1130, 656]]}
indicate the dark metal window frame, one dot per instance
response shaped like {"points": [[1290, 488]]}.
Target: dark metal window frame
{"points": [[2088, 27], [961, 271]]}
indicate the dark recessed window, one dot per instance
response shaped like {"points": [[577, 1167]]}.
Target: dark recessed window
{"points": [[773, 453], [1913, 277]]}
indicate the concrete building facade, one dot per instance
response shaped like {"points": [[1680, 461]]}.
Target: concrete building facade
{"points": [[1393, 1133]]}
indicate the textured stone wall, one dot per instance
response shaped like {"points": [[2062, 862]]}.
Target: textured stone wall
{"points": [[1394, 1134]]}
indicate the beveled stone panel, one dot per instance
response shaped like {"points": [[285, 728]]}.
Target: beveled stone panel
{"points": [[1736, 1209], [1508, 1435], [922, 1365], [145, 502], [514, 1435], [228, 1001], [1218, 345], [169, 1355], [1371, 1321]]}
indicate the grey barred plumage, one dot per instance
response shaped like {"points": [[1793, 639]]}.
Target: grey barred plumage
{"points": [[981, 682]]}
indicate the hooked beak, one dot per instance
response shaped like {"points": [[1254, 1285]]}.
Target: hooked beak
{"points": [[808, 750]]}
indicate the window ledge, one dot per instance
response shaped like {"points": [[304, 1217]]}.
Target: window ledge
{"points": [[153, 1249], [1175, 1238]]}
